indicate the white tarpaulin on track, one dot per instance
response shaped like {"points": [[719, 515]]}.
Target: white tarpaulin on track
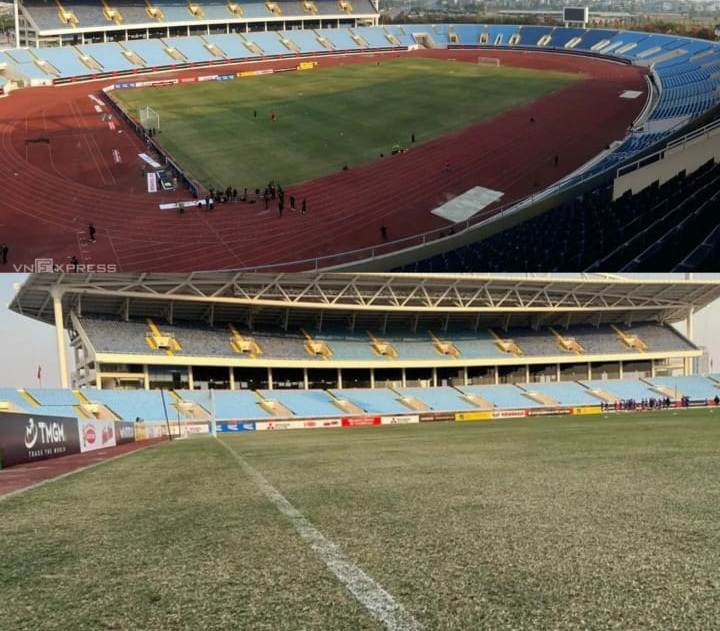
{"points": [[464, 206]]}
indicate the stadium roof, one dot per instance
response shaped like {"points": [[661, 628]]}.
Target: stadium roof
{"points": [[228, 296]]}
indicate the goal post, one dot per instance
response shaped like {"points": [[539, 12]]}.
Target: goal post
{"points": [[489, 61], [149, 118]]}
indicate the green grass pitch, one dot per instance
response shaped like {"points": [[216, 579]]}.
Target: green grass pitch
{"points": [[328, 117], [559, 523]]}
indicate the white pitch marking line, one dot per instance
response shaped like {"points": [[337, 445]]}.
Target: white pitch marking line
{"points": [[381, 605]]}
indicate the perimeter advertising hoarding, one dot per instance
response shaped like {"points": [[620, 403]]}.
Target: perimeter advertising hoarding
{"points": [[307, 424], [27, 438], [402, 419], [235, 427], [485, 415], [548, 411], [124, 432], [360, 421], [437, 416], [509, 413], [96, 434], [587, 409]]}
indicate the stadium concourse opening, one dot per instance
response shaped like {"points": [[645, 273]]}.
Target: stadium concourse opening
{"points": [[70, 161]]}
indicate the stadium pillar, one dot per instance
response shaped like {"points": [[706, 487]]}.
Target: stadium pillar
{"points": [[60, 337], [16, 9], [339, 378], [232, 377]]}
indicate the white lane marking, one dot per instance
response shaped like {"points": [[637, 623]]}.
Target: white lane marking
{"points": [[381, 605]]}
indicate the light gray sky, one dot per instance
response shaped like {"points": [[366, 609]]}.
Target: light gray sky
{"points": [[25, 344]]}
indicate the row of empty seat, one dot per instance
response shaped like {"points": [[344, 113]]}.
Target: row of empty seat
{"points": [[113, 57], [455, 343], [73, 14], [152, 405]]}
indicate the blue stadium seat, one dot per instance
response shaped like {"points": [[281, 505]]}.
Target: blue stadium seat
{"points": [[377, 401]]}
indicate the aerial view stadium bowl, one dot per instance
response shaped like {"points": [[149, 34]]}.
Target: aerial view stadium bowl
{"points": [[487, 137]]}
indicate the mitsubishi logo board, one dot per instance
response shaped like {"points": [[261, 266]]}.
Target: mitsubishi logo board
{"points": [[27, 438]]}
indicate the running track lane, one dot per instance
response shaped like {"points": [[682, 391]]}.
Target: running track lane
{"points": [[53, 190], [25, 475]]}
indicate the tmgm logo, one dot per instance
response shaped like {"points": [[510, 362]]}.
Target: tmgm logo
{"points": [[48, 433]]}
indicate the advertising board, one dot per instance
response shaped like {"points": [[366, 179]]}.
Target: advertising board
{"points": [[29, 437]]}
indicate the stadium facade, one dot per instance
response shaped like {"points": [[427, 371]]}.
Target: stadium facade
{"points": [[297, 331]]}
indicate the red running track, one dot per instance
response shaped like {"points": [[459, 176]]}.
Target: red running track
{"points": [[53, 190], [23, 476]]}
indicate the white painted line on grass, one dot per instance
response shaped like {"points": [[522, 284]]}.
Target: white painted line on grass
{"points": [[381, 605], [69, 473]]}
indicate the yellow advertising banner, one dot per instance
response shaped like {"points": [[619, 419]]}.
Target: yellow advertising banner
{"points": [[307, 65], [586, 409], [474, 416]]}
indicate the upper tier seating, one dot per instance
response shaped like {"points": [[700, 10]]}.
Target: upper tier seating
{"points": [[199, 340]]}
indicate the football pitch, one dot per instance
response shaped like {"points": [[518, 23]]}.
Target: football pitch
{"points": [[222, 132], [562, 523]]}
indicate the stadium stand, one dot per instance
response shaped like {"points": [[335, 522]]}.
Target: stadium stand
{"points": [[373, 401], [501, 395], [304, 402], [630, 234], [306, 41], [439, 399], [269, 43], [567, 393], [695, 387], [340, 38], [232, 45], [147, 405], [623, 389], [197, 339], [152, 51], [53, 396], [129, 405], [228, 404]]}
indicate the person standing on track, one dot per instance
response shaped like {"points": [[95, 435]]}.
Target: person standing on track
{"points": [[4, 253], [91, 232]]}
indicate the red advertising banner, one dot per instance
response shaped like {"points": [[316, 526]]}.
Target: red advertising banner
{"points": [[360, 421]]}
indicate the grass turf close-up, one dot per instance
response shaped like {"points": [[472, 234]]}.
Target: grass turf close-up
{"points": [[563, 523], [328, 117]]}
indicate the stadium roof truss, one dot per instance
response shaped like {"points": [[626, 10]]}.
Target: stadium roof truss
{"points": [[228, 296]]}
